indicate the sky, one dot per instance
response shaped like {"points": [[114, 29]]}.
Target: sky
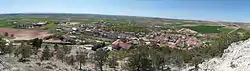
{"points": [[211, 10]]}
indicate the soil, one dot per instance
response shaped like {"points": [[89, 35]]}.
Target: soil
{"points": [[24, 34]]}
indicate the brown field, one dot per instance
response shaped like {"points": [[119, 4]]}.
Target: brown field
{"points": [[24, 34]]}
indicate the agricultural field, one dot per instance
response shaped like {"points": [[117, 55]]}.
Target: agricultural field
{"points": [[226, 30], [205, 29], [4, 24], [50, 26], [127, 28], [25, 34]]}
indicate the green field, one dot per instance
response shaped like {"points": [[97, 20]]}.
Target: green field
{"points": [[50, 26], [226, 30], [127, 28], [205, 29], [4, 24]]}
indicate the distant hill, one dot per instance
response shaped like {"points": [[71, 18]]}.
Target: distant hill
{"points": [[99, 16]]}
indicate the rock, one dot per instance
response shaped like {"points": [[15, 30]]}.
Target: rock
{"points": [[30, 66], [54, 66], [23, 60], [48, 67], [235, 58], [39, 64]]}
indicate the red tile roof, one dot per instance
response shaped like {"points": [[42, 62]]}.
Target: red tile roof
{"points": [[124, 46], [117, 44]]}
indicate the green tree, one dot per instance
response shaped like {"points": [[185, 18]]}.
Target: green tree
{"points": [[36, 43], [245, 36], [2, 45], [24, 50]]}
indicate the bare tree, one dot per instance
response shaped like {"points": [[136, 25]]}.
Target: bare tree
{"points": [[56, 47], [70, 60], [81, 58], [100, 58], [140, 60], [60, 54], [112, 61], [158, 60], [46, 54]]}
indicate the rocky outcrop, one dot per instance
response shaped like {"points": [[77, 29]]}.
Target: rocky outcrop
{"points": [[235, 58]]}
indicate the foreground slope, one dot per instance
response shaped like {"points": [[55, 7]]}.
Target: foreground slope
{"points": [[235, 58]]}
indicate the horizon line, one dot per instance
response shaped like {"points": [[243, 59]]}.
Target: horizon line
{"points": [[124, 15]]}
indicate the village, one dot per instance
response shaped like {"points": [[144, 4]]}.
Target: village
{"points": [[74, 33], [124, 35]]}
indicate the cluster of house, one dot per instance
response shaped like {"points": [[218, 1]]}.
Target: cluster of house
{"points": [[39, 24], [124, 40], [29, 25], [118, 45], [184, 38]]}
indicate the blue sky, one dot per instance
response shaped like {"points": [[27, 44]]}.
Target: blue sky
{"points": [[214, 10]]}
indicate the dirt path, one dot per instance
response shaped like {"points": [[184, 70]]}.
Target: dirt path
{"points": [[233, 31]]}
